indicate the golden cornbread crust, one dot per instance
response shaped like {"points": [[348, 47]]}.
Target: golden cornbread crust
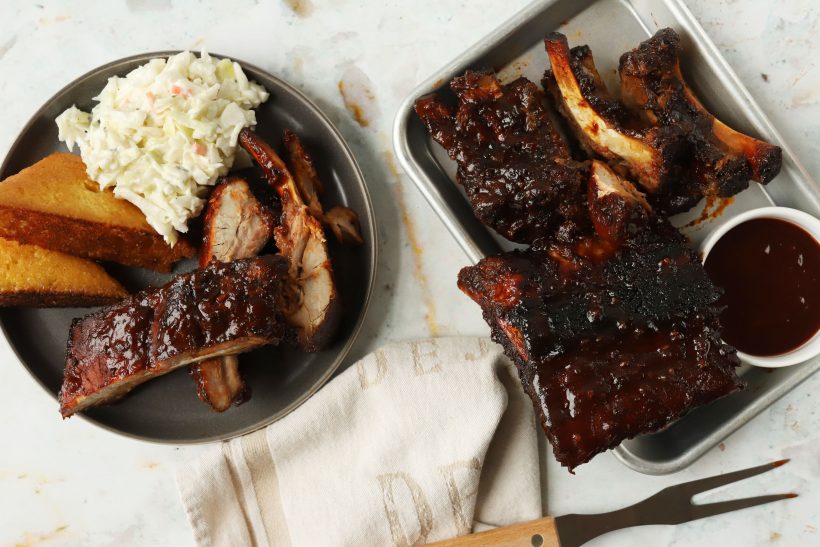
{"points": [[33, 276], [53, 204], [56, 300], [92, 240]]}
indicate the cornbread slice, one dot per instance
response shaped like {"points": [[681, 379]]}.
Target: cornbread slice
{"points": [[33, 276], [53, 204]]}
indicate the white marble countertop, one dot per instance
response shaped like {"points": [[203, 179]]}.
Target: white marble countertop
{"points": [[71, 483]]}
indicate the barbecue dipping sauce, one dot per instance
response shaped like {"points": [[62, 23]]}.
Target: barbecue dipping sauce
{"points": [[768, 269]]}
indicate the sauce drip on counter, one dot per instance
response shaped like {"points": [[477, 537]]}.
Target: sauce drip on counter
{"points": [[768, 269]]}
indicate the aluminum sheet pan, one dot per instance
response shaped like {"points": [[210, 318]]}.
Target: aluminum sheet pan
{"points": [[611, 27]]}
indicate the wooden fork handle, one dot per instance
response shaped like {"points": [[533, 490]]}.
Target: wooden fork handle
{"points": [[536, 533]]}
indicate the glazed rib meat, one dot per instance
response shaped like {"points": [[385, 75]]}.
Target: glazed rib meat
{"points": [[651, 82], [603, 126], [612, 336], [236, 226], [514, 166], [614, 386], [313, 309], [222, 309]]}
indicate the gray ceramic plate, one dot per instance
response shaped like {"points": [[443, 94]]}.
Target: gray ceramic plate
{"points": [[167, 409]]}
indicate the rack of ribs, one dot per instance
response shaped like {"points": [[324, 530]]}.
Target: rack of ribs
{"points": [[515, 168], [221, 309], [613, 335]]}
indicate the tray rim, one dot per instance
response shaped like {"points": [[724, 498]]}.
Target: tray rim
{"points": [[758, 119], [372, 234]]}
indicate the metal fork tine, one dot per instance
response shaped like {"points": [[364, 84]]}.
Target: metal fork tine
{"points": [[719, 507], [672, 505], [710, 483]]}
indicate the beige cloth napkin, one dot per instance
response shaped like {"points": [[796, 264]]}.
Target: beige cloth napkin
{"points": [[416, 442]]}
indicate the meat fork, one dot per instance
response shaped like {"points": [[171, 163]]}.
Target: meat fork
{"points": [[672, 505]]}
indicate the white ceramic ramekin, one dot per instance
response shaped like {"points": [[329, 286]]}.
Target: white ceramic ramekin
{"points": [[809, 223]]}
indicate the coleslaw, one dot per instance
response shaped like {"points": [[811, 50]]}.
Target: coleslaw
{"points": [[164, 133]]}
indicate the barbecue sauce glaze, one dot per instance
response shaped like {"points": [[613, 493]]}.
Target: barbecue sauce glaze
{"points": [[768, 269]]}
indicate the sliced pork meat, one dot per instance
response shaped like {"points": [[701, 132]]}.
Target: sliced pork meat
{"points": [[342, 221], [314, 307]]}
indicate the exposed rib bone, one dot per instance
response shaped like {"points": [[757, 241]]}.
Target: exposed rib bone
{"points": [[650, 154], [651, 80]]}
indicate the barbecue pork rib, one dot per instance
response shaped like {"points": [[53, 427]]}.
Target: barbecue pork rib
{"points": [[236, 226], [342, 221], [512, 163], [651, 83], [314, 309], [222, 309], [616, 207], [612, 336], [603, 126]]}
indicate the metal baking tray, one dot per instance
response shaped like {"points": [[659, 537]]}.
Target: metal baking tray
{"points": [[611, 27]]}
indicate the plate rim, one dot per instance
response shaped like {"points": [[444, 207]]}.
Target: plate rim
{"points": [[373, 258]]}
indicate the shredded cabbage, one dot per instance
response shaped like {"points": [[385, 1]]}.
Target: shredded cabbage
{"points": [[164, 133]]}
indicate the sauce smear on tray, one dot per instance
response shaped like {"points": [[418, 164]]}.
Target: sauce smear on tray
{"points": [[768, 269]]}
